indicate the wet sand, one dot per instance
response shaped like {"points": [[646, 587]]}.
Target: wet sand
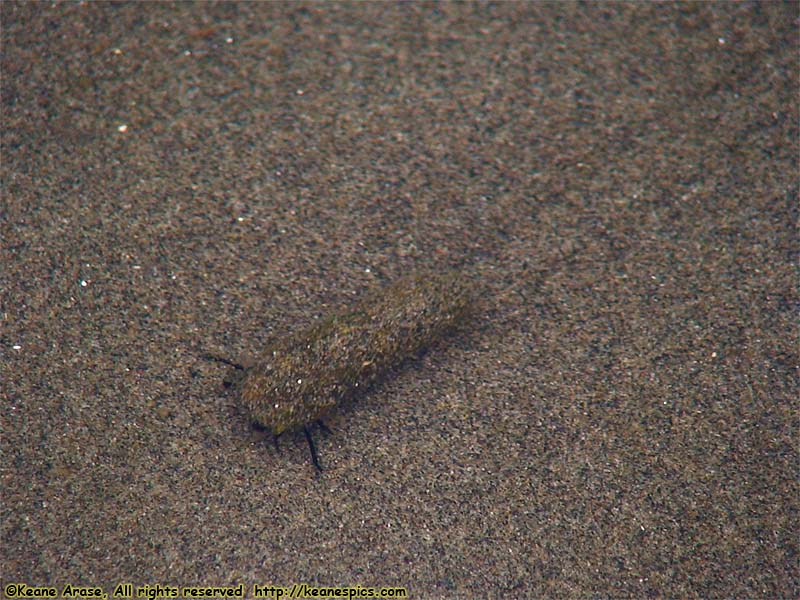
{"points": [[620, 184]]}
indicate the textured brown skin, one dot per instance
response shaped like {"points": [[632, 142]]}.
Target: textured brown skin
{"points": [[301, 377]]}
